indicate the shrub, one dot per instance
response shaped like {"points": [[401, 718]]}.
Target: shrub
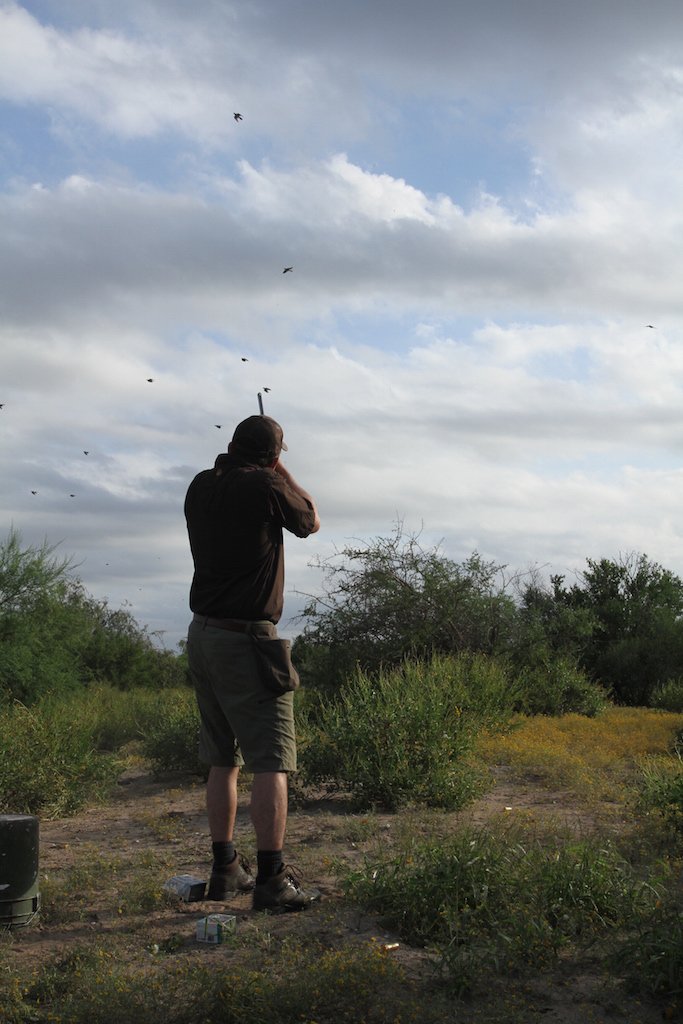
{"points": [[661, 789], [498, 901], [669, 696], [48, 761], [390, 599], [559, 688], [54, 637], [407, 734], [172, 736], [651, 959]]}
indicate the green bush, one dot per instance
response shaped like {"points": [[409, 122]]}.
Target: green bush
{"points": [[651, 959], [558, 688], [48, 760], [661, 789], [498, 901], [668, 696], [54, 637], [116, 717], [172, 735], [407, 734], [389, 599]]}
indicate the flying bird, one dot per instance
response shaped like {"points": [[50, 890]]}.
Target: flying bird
{"points": [[266, 390], [288, 270], [2, 405], [244, 359], [652, 326], [238, 117], [85, 453], [72, 495], [218, 426], [34, 492], [150, 380]]}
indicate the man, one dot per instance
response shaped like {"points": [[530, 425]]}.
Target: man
{"points": [[235, 515]]}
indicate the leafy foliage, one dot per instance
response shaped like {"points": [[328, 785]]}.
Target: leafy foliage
{"points": [[617, 631], [558, 688], [661, 788], [498, 901], [391, 599], [48, 760], [406, 733], [55, 638], [172, 737], [623, 622]]}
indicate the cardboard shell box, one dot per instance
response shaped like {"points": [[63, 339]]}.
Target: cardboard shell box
{"points": [[216, 927], [187, 887]]}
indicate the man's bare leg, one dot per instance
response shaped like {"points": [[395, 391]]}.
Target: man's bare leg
{"points": [[276, 888], [228, 874], [221, 803], [269, 809]]}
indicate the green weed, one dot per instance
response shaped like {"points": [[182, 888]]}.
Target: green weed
{"points": [[651, 959], [557, 688], [48, 761], [172, 735], [668, 696], [407, 734], [660, 789], [496, 902]]}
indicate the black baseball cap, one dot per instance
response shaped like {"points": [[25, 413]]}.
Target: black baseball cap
{"points": [[260, 436]]}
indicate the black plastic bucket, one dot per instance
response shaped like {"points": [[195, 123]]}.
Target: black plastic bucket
{"points": [[19, 896]]}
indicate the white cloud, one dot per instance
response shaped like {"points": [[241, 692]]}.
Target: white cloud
{"points": [[481, 367]]}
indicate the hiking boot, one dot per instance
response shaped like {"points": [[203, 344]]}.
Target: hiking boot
{"points": [[226, 881], [283, 892]]}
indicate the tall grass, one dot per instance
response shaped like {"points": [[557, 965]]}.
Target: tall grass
{"points": [[172, 736], [489, 901], [408, 733], [48, 760], [65, 751], [660, 789]]}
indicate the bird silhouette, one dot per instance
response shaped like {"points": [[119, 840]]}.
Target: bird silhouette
{"points": [[217, 426], [266, 390], [244, 359], [150, 380], [85, 453], [2, 405], [238, 117], [34, 492], [72, 495], [652, 326], [288, 270]]}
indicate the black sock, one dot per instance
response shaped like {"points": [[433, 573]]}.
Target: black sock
{"points": [[269, 864], [223, 854]]}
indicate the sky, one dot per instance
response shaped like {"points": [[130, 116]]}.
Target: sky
{"points": [[481, 338]]}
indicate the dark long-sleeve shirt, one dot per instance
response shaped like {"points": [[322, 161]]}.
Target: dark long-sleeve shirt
{"points": [[235, 516]]}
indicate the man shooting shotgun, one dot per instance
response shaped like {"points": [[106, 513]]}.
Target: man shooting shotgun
{"points": [[243, 678]]}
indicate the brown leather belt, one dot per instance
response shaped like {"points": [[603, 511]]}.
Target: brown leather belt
{"points": [[234, 625]]}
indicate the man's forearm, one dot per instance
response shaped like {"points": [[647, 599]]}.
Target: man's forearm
{"points": [[298, 489]]}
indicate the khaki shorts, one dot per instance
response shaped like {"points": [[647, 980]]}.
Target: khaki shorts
{"points": [[242, 722]]}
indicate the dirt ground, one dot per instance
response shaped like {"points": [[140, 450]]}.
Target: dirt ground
{"points": [[165, 818]]}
